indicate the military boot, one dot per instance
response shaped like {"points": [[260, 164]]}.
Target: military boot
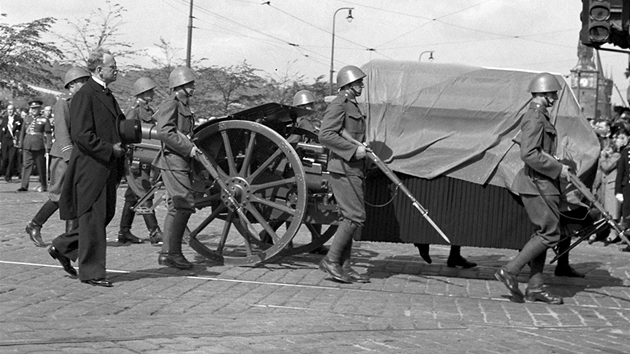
{"points": [[175, 231], [126, 219]]}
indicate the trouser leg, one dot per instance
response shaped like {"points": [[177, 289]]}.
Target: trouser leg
{"points": [[45, 212], [342, 241], [532, 249]]}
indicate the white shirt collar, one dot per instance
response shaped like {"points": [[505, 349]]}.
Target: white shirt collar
{"points": [[99, 81]]}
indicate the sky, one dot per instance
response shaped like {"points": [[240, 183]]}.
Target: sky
{"points": [[293, 37]]}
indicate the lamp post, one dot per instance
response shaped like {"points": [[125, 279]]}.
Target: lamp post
{"points": [[430, 55], [332, 53]]}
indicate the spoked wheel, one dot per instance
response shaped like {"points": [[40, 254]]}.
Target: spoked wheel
{"points": [[258, 182]]}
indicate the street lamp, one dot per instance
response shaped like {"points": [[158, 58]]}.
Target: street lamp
{"points": [[430, 55], [332, 53]]}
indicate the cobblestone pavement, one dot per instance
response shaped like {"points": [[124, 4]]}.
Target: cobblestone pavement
{"points": [[290, 307]]}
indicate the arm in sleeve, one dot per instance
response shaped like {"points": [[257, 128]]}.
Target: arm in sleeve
{"points": [[167, 131], [330, 132], [62, 133], [608, 164], [532, 154]]}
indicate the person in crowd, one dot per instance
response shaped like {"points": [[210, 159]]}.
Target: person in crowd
{"points": [[59, 156], [175, 123], [606, 178], [95, 169], [139, 174], [10, 129], [342, 122], [622, 186], [537, 183], [35, 142]]}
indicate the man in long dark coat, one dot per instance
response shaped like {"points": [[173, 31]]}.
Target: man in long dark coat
{"points": [[94, 171]]}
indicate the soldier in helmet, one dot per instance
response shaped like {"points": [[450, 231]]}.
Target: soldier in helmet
{"points": [[346, 166], [59, 154], [139, 175], [538, 185], [175, 124], [35, 142]]}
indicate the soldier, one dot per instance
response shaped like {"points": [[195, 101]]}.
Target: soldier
{"points": [[538, 185], [139, 175], [346, 165], [35, 142], [10, 129], [175, 124], [59, 156]]}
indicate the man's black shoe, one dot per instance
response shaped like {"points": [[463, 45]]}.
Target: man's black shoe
{"points": [[541, 294], [460, 262], [355, 276], [127, 236], [63, 260], [174, 261], [334, 270], [567, 271], [510, 282], [98, 282], [34, 232], [22, 189]]}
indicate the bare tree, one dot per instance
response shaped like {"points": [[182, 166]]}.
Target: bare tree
{"points": [[100, 29]]}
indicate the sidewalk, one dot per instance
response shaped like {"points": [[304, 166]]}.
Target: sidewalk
{"points": [[290, 307]]}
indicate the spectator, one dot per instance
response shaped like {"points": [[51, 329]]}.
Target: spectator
{"points": [[35, 142]]}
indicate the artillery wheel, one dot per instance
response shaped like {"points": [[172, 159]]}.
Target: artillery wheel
{"points": [[259, 179]]}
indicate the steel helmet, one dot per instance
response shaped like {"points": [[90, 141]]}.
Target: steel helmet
{"points": [[181, 75], [349, 74], [303, 97], [143, 84], [544, 82], [74, 73]]}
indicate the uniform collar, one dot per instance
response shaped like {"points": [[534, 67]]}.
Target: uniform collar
{"points": [[539, 107]]}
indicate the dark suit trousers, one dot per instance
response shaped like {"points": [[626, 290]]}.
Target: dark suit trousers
{"points": [[92, 232], [9, 161], [37, 156]]}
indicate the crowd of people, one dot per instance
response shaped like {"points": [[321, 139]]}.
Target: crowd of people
{"points": [[87, 160]]}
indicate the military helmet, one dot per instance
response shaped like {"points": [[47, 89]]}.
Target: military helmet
{"points": [[181, 75], [143, 84], [349, 74], [303, 97], [74, 73], [544, 82]]}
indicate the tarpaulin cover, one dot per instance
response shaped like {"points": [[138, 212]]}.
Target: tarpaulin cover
{"points": [[428, 120]]}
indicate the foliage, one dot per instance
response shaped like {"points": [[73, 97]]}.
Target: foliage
{"points": [[25, 57], [101, 29]]}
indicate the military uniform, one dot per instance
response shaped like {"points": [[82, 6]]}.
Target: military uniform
{"points": [[35, 141], [538, 185], [346, 172], [175, 124], [139, 180]]}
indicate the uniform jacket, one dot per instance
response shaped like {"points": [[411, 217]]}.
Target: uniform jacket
{"points": [[623, 171], [36, 134], [343, 114], [142, 111], [538, 146], [175, 124], [10, 135], [94, 121], [62, 146]]}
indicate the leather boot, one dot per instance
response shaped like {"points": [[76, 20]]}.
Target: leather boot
{"points": [[455, 259], [34, 232], [155, 234], [346, 268], [176, 230], [423, 249], [126, 219]]}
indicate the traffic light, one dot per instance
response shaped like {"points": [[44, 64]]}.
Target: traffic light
{"points": [[595, 22], [605, 21]]}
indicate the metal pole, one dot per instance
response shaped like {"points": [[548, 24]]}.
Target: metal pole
{"points": [[190, 27], [332, 51]]}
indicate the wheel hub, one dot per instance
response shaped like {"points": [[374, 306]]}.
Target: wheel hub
{"points": [[239, 190]]}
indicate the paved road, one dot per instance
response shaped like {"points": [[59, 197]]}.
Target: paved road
{"points": [[290, 307]]}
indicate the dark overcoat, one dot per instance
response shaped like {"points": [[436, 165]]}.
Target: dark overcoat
{"points": [[94, 122]]}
